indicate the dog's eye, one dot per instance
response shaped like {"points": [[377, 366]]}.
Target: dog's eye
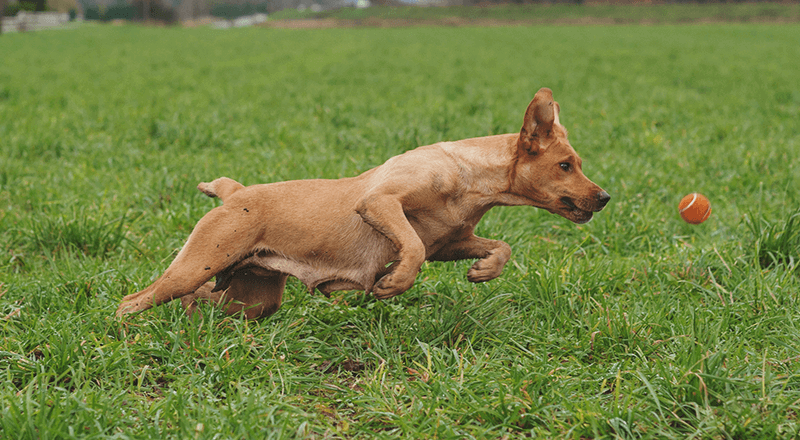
{"points": [[565, 166]]}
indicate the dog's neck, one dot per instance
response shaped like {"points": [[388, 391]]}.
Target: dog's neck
{"points": [[487, 164]]}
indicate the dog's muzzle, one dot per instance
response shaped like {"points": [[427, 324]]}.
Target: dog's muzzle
{"points": [[583, 213], [602, 200]]}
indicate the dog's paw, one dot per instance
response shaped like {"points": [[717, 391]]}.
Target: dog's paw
{"points": [[484, 270], [128, 307], [135, 302], [392, 285], [189, 304]]}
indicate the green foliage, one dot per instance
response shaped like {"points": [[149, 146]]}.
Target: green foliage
{"points": [[13, 9], [635, 325], [118, 11], [92, 13], [231, 11]]}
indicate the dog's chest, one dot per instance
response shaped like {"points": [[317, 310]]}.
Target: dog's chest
{"points": [[442, 227]]}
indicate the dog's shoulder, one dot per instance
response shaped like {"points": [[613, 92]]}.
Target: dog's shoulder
{"points": [[428, 160], [482, 146]]}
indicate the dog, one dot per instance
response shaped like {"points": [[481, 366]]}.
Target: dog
{"points": [[374, 231]]}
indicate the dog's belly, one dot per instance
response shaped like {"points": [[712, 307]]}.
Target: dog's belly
{"points": [[314, 274]]}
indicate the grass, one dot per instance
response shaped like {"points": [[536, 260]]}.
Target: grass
{"points": [[635, 325]]}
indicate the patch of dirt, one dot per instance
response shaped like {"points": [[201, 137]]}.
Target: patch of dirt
{"points": [[375, 22]]}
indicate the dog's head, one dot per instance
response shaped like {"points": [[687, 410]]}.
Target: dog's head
{"points": [[548, 170]]}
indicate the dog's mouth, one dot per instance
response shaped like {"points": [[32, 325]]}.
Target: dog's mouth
{"points": [[574, 213]]}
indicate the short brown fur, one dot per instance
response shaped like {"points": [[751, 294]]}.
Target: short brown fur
{"points": [[341, 234]]}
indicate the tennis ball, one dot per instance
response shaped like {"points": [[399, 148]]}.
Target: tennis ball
{"points": [[694, 208]]}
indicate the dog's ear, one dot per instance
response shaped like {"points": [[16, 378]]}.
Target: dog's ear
{"points": [[558, 110], [540, 116]]}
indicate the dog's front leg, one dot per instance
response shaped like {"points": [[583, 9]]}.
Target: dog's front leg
{"points": [[384, 212], [493, 256]]}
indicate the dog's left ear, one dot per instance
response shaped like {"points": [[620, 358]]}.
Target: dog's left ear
{"points": [[537, 127]]}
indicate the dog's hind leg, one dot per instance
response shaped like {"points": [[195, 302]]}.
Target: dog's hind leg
{"points": [[220, 239], [255, 291], [493, 256]]}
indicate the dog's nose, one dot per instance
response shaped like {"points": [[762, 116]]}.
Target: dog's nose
{"points": [[602, 199]]}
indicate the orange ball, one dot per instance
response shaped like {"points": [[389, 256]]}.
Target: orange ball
{"points": [[694, 208]]}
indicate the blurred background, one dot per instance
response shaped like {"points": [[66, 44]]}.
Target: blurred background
{"points": [[28, 15]]}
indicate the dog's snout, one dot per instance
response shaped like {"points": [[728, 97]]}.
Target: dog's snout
{"points": [[602, 199]]}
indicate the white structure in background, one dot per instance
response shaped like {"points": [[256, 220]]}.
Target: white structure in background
{"points": [[34, 21], [249, 20], [315, 7], [361, 4]]}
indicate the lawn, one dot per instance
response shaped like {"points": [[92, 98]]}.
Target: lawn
{"points": [[635, 325]]}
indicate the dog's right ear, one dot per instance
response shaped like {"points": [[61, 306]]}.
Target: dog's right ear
{"points": [[538, 123]]}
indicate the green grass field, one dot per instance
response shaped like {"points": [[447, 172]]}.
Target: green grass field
{"points": [[636, 325]]}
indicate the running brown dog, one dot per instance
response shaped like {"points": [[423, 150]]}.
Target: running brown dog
{"points": [[341, 234]]}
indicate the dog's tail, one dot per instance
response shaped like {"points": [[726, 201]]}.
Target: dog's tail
{"points": [[222, 188]]}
